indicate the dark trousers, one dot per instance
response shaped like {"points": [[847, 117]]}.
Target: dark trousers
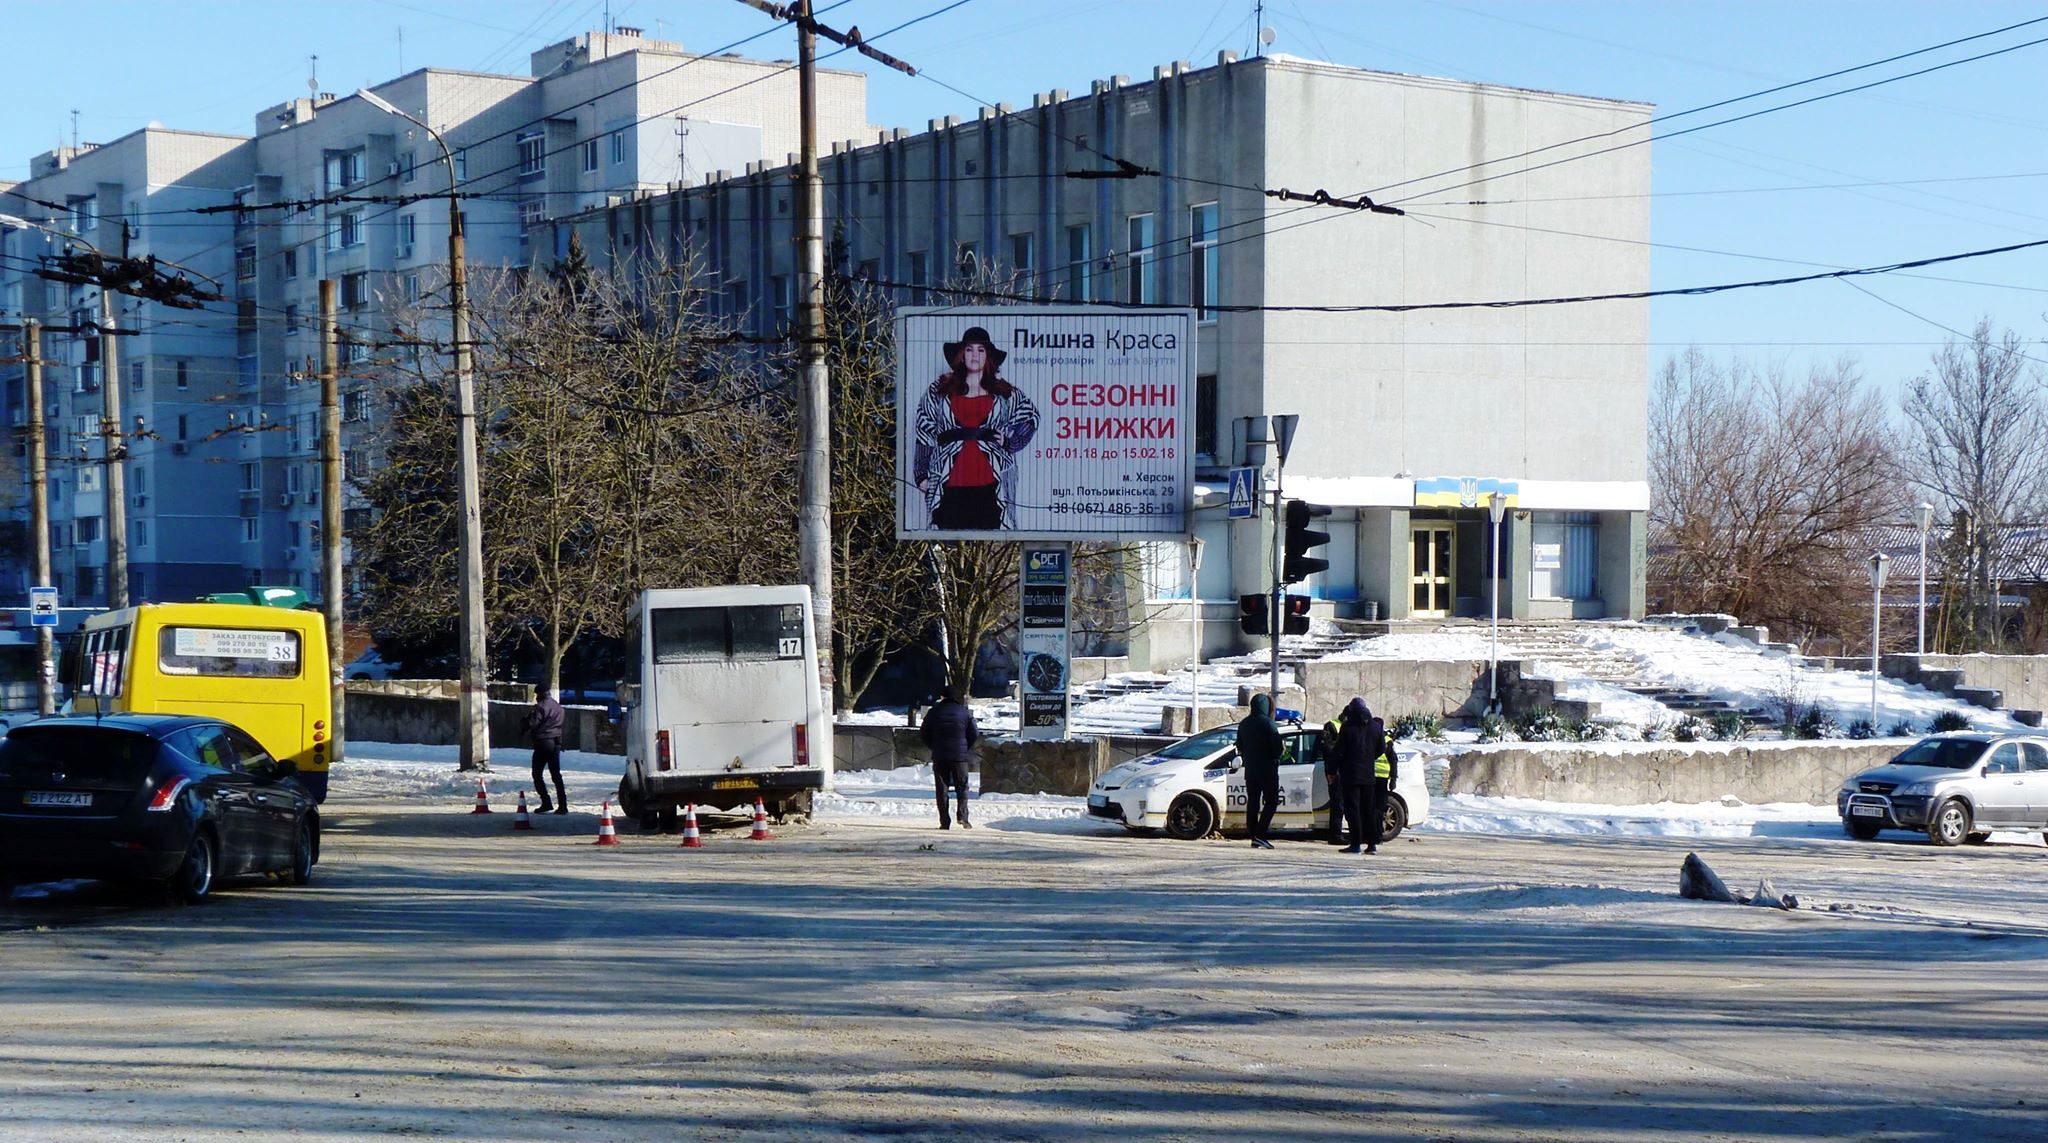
{"points": [[1376, 810], [975, 508], [1347, 810], [547, 760], [1261, 798], [953, 774]]}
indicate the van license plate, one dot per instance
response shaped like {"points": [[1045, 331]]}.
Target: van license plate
{"points": [[1867, 811], [57, 798], [733, 784]]}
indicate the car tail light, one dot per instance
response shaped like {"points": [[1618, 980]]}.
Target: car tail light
{"points": [[166, 795], [662, 759], [803, 744]]}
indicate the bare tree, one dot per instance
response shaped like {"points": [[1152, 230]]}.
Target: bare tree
{"points": [[1761, 490], [1980, 434]]}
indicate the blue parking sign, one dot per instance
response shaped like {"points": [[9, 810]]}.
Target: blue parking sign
{"points": [[42, 606]]}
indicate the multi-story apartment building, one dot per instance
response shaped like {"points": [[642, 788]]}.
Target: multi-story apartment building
{"points": [[223, 476], [1407, 418]]}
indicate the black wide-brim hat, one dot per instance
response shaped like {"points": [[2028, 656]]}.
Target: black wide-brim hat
{"points": [[975, 335]]}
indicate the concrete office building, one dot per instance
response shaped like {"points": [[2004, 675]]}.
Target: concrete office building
{"points": [[224, 487], [1408, 419]]}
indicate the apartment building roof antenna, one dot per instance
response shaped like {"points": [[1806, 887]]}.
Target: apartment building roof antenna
{"points": [[313, 74]]}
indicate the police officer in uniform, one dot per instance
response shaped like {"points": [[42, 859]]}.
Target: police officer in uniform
{"points": [[1386, 766]]}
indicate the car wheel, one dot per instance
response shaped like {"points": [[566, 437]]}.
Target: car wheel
{"points": [[1190, 817], [1860, 829], [1395, 819], [1950, 824], [193, 882], [302, 855]]}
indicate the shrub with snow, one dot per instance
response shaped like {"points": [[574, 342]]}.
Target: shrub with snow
{"points": [[1950, 720]]}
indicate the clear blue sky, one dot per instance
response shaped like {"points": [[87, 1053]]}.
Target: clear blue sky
{"points": [[1979, 127]]}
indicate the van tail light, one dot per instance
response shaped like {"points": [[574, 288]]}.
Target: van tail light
{"points": [[166, 795], [663, 760], [803, 744]]}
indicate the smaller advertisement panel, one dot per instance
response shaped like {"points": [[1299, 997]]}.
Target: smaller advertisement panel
{"points": [[1042, 666], [231, 643]]}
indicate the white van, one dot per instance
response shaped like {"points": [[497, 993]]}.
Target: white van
{"points": [[726, 705]]}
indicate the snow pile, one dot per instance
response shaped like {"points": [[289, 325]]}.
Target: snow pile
{"points": [[1427, 647], [395, 771], [906, 796], [1466, 813], [1736, 670]]}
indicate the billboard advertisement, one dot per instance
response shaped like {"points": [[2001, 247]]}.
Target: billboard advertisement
{"points": [[1044, 422]]}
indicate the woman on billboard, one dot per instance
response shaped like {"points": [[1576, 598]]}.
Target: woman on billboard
{"points": [[970, 426]]}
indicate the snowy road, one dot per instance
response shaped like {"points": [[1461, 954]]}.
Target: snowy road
{"points": [[445, 977]]}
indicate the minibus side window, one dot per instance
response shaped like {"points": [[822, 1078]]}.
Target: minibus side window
{"points": [[102, 659], [226, 652]]}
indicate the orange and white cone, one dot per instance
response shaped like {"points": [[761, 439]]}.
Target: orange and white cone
{"points": [[522, 821], [760, 823], [691, 840], [483, 799], [606, 835]]}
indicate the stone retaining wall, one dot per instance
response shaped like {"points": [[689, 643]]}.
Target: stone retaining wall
{"points": [[1646, 773], [1447, 689]]}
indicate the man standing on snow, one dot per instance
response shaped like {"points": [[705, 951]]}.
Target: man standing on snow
{"points": [[949, 731], [1258, 750], [1386, 766]]}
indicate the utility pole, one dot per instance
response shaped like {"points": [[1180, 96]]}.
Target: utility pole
{"points": [[114, 483], [39, 508], [814, 514], [333, 591]]}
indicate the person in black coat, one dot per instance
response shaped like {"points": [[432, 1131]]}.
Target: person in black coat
{"points": [[949, 732], [544, 727], [1386, 767], [1258, 750], [1360, 739]]}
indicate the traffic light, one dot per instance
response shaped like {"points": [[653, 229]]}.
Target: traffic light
{"points": [[1251, 615], [1295, 619], [1299, 565]]}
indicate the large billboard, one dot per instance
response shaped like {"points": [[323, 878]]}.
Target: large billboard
{"points": [[1044, 422]]}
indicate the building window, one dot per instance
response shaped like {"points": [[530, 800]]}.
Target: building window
{"points": [[291, 472], [1205, 288], [589, 155], [412, 287], [135, 375], [355, 406], [406, 163], [89, 479], [1141, 263], [291, 264], [251, 531], [249, 478], [140, 475], [462, 165], [1020, 254], [345, 230], [1205, 415], [532, 212], [357, 465], [533, 153], [736, 297], [917, 269], [141, 533], [184, 380], [181, 423], [245, 262], [84, 214], [88, 529], [344, 169], [291, 318], [355, 291], [1564, 554], [1080, 263], [408, 230], [618, 147]]}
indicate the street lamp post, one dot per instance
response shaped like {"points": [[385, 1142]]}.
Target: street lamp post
{"points": [[1195, 545], [1926, 522], [1878, 560], [1496, 507], [476, 727]]}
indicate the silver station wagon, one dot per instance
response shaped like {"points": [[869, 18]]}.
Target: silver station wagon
{"points": [[1954, 787]]}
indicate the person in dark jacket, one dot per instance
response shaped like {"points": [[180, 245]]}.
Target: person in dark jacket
{"points": [[1326, 754], [949, 732], [544, 727], [1386, 766], [1258, 750], [1360, 739]]}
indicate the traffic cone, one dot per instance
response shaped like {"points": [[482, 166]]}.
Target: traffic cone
{"points": [[606, 835], [690, 838], [483, 799], [760, 823], [522, 821]]}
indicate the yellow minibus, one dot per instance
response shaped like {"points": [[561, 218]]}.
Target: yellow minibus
{"points": [[261, 668]]}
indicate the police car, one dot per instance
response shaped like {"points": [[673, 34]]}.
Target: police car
{"points": [[1196, 786]]}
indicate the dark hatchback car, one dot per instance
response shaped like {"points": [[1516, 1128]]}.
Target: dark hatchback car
{"points": [[149, 797]]}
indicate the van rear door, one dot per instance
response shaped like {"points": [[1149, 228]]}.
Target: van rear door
{"points": [[732, 686]]}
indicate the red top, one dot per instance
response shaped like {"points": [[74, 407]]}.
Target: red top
{"points": [[971, 468]]}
